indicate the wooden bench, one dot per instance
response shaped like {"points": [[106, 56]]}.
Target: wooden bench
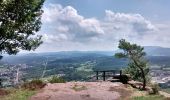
{"points": [[104, 73]]}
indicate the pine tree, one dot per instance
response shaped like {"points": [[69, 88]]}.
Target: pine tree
{"points": [[137, 62]]}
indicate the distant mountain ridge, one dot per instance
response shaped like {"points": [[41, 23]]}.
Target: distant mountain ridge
{"points": [[157, 51], [69, 62], [150, 50]]}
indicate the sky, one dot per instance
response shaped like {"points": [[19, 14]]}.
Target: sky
{"points": [[98, 25]]}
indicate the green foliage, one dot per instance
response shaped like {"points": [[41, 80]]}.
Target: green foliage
{"points": [[19, 21], [56, 79], [155, 89], [137, 64], [120, 55], [33, 73], [18, 94], [135, 73], [34, 84], [130, 50], [150, 97]]}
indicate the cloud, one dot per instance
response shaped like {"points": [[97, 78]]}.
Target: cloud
{"points": [[71, 30], [54, 38], [136, 21], [67, 20], [51, 12]]}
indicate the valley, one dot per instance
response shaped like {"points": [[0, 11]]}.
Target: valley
{"points": [[73, 66]]}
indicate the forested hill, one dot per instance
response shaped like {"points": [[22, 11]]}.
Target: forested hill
{"points": [[76, 65], [154, 54]]}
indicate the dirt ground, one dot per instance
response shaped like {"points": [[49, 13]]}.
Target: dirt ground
{"points": [[83, 91]]}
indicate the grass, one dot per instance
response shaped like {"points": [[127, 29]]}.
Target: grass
{"points": [[56, 79], [79, 87], [145, 95], [18, 94], [149, 97]]}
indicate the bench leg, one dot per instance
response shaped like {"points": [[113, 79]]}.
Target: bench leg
{"points": [[104, 76], [97, 75]]}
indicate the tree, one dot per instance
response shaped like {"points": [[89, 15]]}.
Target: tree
{"points": [[137, 62], [19, 21], [135, 73]]}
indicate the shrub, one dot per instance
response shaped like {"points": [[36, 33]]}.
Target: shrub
{"points": [[154, 89], [56, 79], [34, 84]]}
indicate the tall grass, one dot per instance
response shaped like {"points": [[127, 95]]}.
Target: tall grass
{"points": [[149, 97], [18, 94]]}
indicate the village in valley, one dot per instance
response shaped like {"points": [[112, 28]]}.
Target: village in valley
{"points": [[14, 74]]}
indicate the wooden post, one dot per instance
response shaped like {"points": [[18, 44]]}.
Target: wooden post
{"points": [[97, 75], [104, 76], [120, 73]]}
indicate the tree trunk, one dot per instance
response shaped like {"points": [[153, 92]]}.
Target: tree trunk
{"points": [[144, 79], [143, 74]]}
